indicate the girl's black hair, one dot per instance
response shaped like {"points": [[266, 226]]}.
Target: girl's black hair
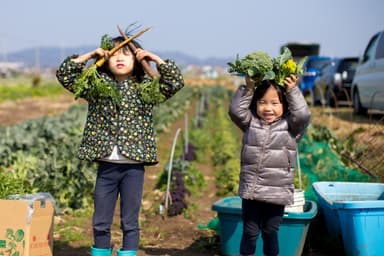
{"points": [[262, 89], [138, 70]]}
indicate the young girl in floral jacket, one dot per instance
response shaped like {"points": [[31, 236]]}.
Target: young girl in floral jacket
{"points": [[119, 137]]}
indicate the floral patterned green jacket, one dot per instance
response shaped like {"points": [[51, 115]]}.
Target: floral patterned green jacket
{"points": [[129, 126]]}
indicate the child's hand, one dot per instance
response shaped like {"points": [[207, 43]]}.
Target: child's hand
{"points": [[290, 82], [143, 54], [249, 83], [98, 53]]}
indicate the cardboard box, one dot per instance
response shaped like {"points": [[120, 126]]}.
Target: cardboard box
{"points": [[26, 227]]}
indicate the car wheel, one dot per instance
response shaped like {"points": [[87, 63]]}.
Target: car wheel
{"points": [[357, 108]]}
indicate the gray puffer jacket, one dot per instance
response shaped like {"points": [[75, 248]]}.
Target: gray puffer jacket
{"points": [[268, 154]]}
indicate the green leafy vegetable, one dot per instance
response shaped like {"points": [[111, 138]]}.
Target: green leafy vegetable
{"points": [[150, 91], [94, 85], [260, 66], [254, 64], [91, 83], [106, 42]]}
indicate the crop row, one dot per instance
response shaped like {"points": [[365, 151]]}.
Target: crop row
{"points": [[41, 155]]}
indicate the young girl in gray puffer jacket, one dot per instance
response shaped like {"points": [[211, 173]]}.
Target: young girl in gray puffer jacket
{"points": [[273, 119]]}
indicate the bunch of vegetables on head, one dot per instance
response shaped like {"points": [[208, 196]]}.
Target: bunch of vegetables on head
{"points": [[92, 81], [260, 66]]}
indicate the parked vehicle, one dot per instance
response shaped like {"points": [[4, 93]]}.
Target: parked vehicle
{"points": [[333, 84], [301, 49], [368, 84], [312, 67]]}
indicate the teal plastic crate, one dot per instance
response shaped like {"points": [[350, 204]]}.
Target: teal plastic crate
{"points": [[354, 210], [292, 233]]}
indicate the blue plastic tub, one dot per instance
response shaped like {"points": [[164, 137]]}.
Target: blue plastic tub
{"points": [[354, 210], [292, 233]]}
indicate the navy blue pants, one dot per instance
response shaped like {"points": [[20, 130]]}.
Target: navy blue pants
{"points": [[113, 180], [260, 216]]}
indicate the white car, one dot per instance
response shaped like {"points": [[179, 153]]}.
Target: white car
{"points": [[367, 88]]}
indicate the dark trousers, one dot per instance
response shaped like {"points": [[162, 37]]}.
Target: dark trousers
{"points": [[113, 180], [260, 216]]}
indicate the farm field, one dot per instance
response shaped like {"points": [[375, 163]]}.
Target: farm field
{"points": [[352, 136]]}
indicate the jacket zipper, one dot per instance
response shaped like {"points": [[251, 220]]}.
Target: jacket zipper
{"points": [[288, 159], [263, 148]]}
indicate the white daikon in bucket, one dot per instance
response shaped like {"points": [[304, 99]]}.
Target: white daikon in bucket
{"points": [[298, 195]]}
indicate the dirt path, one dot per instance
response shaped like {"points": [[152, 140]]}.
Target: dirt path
{"points": [[13, 112], [175, 236]]}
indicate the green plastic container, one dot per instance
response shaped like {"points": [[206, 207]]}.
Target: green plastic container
{"points": [[292, 233]]}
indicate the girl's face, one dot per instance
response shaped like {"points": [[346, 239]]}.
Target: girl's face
{"points": [[121, 64], [269, 107]]}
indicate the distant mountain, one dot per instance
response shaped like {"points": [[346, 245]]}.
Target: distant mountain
{"points": [[51, 57]]}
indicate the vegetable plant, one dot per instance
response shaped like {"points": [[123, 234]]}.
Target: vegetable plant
{"points": [[40, 155], [90, 80], [260, 66]]}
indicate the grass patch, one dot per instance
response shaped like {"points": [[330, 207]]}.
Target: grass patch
{"points": [[70, 227], [16, 91]]}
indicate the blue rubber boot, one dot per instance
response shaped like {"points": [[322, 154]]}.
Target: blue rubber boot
{"points": [[101, 252], [126, 253]]}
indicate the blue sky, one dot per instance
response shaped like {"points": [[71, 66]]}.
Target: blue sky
{"points": [[201, 28]]}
